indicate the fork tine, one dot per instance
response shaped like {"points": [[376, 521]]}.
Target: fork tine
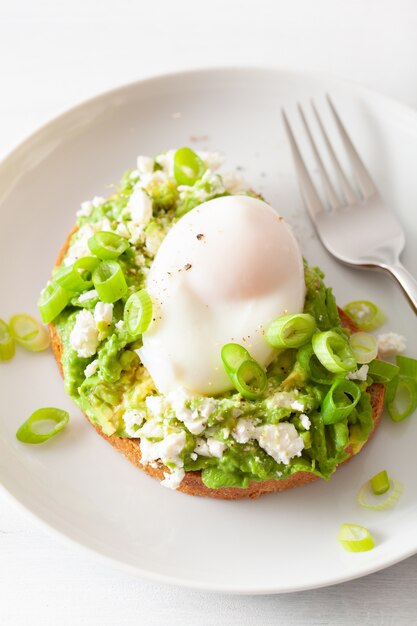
{"points": [[328, 187], [347, 190], [308, 190], [365, 181]]}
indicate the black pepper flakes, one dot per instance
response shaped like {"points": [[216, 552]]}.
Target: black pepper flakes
{"points": [[200, 236], [187, 267]]}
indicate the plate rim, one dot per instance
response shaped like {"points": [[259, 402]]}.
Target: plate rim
{"points": [[74, 110]]}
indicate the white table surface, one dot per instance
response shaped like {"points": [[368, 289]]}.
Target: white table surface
{"points": [[55, 54]]}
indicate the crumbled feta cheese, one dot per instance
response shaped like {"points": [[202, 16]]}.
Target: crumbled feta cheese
{"points": [[166, 161], [155, 405], [80, 247], [297, 406], [244, 430], [305, 421], [216, 448], [103, 312], [152, 429], [194, 420], [359, 374], [167, 449], [390, 344], [134, 174], [235, 183], [84, 335], [120, 325], [123, 230], [145, 164], [91, 368], [193, 456], [281, 441], [88, 295], [88, 206], [174, 479], [207, 407], [133, 419], [212, 160], [201, 447], [139, 207]]}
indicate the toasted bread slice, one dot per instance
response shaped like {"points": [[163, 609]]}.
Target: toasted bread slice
{"points": [[192, 482]]}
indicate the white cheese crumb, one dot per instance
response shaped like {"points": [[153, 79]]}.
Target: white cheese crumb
{"points": [[390, 344], [174, 479], [123, 230], [140, 207], [166, 161], [305, 421], [133, 419], [88, 206], [155, 405], [120, 325], [235, 183], [359, 374], [195, 420], [244, 430], [216, 448], [145, 164], [212, 160], [91, 368], [281, 441], [84, 335], [103, 312], [297, 406], [88, 295], [201, 447], [167, 449], [193, 456]]}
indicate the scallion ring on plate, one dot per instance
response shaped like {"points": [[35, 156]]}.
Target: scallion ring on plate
{"points": [[28, 332], [53, 299], [42, 425], [334, 352], [401, 397], [107, 246], [188, 167], [364, 347], [355, 538], [339, 401], [365, 314], [7, 346], [380, 483], [385, 499], [291, 331], [109, 281], [137, 313]]}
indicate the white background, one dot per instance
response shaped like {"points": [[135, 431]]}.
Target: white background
{"points": [[54, 54]]}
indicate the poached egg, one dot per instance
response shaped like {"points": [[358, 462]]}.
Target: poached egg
{"points": [[223, 273]]}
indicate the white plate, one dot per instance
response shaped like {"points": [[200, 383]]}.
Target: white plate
{"points": [[80, 486]]}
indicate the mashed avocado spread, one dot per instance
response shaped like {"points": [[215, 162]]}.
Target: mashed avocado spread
{"points": [[231, 439]]}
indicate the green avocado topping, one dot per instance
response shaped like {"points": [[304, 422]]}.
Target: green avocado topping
{"points": [[231, 444]]}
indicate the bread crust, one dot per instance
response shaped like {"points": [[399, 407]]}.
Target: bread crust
{"points": [[192, 483]]}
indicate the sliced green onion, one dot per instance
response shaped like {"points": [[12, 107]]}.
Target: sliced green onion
{"points": [[333, 352], [382, 371], [53, 299], [7, 347], [28, 332], [401, 397], [107, 246], [291, 331], [138, 313], [355, 538], [310, 364], [380, 483], [250, 379], [364, 347], [188, 167], [35, 430], [408, 366], [85, 267], [339, 401], [365, 314], [233, 356], [109, 281], [77, 277], [367, 499], [246, 374]]}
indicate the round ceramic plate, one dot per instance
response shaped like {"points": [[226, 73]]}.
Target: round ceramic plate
{"points": [[80, 486]]}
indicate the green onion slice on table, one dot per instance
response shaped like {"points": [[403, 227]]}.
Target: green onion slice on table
{"points": [[109, 281], [138, 313], [365, 314], [28, 332], [42, 425], [291, 331], [107, 246], [334, 352], [355, 538], [53, 299], [188, 167], [7, 345], [246, 374]]}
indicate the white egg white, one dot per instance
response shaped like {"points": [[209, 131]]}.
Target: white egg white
{"points": [[222, 274]]}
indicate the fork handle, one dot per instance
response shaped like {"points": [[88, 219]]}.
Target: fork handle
{"points": [[407, 282]]}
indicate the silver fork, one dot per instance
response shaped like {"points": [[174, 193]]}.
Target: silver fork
{"points": [[359, 229]]}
